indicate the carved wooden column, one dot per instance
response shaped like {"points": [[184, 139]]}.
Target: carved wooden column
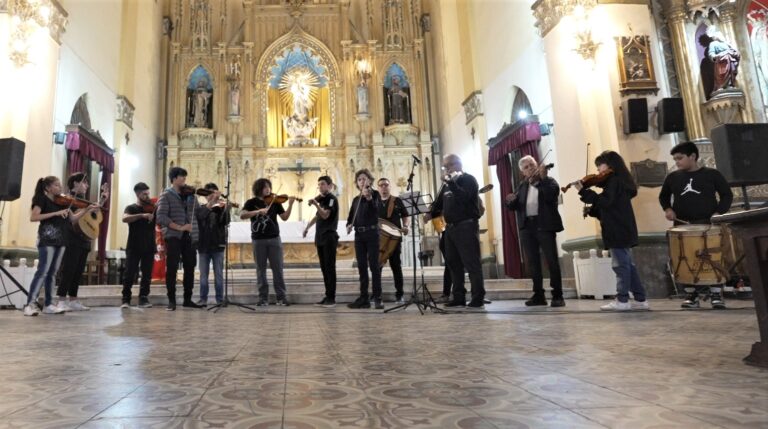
{"points": [[686, 72]]}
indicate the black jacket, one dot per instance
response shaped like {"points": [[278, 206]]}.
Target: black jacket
{"points": [[614, 209], [549, 218], [213, 228]]}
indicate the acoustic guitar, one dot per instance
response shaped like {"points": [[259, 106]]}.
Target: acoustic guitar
{"points": [[89, 224]]}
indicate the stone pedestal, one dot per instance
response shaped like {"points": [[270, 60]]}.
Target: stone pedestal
{"points": [[751, 227]]}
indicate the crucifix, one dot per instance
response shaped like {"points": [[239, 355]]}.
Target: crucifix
{"points": [[299, 170]]}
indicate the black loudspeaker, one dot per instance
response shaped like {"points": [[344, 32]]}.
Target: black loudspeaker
{"points": [[635, 112], [12, 156], [741, 153], [671, 118]]}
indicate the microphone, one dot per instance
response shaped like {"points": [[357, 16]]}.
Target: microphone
{"points": [[416, 158]]}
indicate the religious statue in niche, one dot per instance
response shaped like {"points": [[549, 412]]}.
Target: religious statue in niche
{"points": [[362, 98], [636, 65], [300, 85], [199, 96], [234, 98], [398, 108], [719, 65]]}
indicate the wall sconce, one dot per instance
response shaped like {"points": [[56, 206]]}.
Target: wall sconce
{"points": [[59, 137], [27, 18], [586, 47], [363, 68]]}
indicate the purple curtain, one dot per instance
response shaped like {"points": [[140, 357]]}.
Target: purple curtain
{"points": [[524, 139], [81, 148]]}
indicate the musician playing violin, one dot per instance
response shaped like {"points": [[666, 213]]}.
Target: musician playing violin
{"points": [[393, 210], [326, 237], [212, 220], [140, 248], [364, 218], [263, 210], [535, 204], [78, 247]]}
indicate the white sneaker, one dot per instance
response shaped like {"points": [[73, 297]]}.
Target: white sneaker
{"points": [[76, 306], [53, 309], [125, 305], [640, 305], [616, 306], [30, 310], [62, 306]]}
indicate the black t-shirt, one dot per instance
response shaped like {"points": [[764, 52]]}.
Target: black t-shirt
{"points": [[691, 194], [52, 231], [326, 228], [398, 211], [141, 233], [75, 238], [368, 210], [263, 227]]}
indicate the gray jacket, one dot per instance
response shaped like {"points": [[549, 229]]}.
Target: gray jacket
{"points": [[172, 207]]}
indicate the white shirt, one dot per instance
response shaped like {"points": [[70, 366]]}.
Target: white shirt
{"points": [[532, 202]]}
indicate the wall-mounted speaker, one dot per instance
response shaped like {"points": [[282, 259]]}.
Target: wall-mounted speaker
{"points": [[670, 116], [635, 114], [12, 154]]}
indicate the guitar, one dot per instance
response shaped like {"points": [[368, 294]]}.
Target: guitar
{"points": [[88, 225]]}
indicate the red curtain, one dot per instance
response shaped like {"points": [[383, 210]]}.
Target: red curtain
{"points": [[81, 148], [523, 138]]}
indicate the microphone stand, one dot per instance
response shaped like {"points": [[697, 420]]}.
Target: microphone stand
{"points": [[424, 300], [226, 302]]}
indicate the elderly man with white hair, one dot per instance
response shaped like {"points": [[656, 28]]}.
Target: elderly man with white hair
{"points": [[535, 202]]}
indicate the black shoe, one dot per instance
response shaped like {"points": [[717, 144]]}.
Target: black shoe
{"points": [[262, 303], [557, 302], [326, 303], [476, 305], [691, 301], [716, 300], [455, 304], [144, 302], [378, 304], [171, 306], [191, 304], [486, 301], [284, 302], [536, 300], [361, 302]]}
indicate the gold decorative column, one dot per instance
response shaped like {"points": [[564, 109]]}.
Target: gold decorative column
{"points": [[686, 73]]}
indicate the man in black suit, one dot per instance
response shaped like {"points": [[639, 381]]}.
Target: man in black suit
{"points": [[535, 203]]}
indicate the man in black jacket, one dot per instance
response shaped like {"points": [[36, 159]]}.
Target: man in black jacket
{"points": [[535, 203], [212, 221]]}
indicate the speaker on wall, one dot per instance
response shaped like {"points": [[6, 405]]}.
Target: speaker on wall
{"points": [[670, 116], [741, 153], [635, 113], [12, 154]]}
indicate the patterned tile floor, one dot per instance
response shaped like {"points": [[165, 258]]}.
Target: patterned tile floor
{"points": [[305, 367]]}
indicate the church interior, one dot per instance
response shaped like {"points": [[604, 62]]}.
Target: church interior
{"points": [[299, 92]]}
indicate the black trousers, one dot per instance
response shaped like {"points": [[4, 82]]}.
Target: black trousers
{"points": [[534, 242], [133, 261], [367, 254], [180, 250], [326, 252], [397, 270], [447, 283], [462, 251], [72, 267]]}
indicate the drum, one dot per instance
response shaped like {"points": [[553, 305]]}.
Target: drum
{"points": [[439, 223], [696, 254], [389, 237]]}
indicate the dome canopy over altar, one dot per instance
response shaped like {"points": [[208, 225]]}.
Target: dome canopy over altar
{"points": [[290, 90]]}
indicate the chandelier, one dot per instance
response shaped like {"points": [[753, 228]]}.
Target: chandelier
{"points": [[28, 19]]}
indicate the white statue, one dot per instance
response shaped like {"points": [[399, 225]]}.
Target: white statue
{"points": [[300, 84], [234, 99], [202, 97], [362, 98]]}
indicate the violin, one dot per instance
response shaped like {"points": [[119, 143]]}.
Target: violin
{"points": [[591, 180], [70, 201], [279, 199], [187, 190], [223, 204], [148, 208]]}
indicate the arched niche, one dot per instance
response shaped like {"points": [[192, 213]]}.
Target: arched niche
{"points": [[199, 101], [519, 105], [397, 96]]}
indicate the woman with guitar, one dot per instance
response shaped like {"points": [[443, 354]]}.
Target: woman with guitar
{"points": [[263, 210], [78, 244]]}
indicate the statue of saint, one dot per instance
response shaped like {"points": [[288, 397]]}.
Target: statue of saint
{"points": [[362, 98], [724, 61], [202, 98], [234, 99], [398, 103]]}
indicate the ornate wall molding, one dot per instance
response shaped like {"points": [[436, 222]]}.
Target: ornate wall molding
{"points": [[196, 138], [125, 111], [473, 106], [549, 12]]}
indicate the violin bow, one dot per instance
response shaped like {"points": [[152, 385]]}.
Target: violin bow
{"points": [[584, 210]]}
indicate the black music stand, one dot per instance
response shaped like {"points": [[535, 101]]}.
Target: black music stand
{"points": [[226, 302], [415, 205]]}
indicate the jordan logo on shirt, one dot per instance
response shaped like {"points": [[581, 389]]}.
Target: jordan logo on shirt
{"points": [[689, 188]]}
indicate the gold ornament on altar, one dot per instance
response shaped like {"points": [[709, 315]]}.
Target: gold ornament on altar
{"points": [[299, 88]]}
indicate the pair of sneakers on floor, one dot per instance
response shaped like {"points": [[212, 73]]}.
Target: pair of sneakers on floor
{"points": [[539, 300], [693, 300], [143, 303], [61, 307], [365, 302], [617, 305]]}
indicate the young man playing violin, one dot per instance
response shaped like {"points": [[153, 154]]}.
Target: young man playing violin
{"points": [[263, 210], [688, 196], [175, 214], [140, 248], [212, 220], [364, 218], [78, 247], [535, 203], [326, 237]]}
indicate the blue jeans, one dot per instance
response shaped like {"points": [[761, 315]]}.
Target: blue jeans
{"points": [[218, 274], [49, 261], [627, 279]]}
